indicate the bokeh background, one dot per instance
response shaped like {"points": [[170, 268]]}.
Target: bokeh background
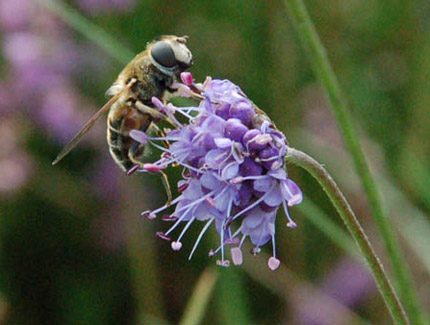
{"points": [[73, 246]]}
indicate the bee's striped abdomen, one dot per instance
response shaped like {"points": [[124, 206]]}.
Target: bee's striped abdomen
{"points": [[123, 149]]}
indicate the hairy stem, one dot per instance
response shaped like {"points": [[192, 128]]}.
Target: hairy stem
{"points": [[344, 209], [324, 71]]}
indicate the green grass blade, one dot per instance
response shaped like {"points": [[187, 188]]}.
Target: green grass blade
{"points": [[94, 33], [199, 300], [324, 71]]}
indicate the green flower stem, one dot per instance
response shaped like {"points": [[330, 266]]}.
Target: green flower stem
{"points": [[343, 208], [325, 73]]}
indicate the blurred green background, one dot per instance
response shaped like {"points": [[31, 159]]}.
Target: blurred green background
{"points": [[73, 246]]}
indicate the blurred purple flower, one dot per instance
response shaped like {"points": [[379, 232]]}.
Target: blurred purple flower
{"points": [[349, 283], [40, 57], [15, 171], [38, 69], [15, 163], [37, 63], [15, 14], [234, 174], [58, 111]]}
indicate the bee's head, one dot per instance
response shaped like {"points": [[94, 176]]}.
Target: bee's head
{"points": [[171, 55]]}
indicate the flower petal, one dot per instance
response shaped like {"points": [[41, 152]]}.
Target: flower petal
{"points": [[274, 198], [250, 168], [291, 192], [209, 181], [253, 219], [263, 184], [215, 157], [230, 171], [222, 142], [193, 191]]}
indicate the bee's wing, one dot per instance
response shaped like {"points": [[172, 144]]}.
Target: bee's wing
{"points": [[77, 138]]}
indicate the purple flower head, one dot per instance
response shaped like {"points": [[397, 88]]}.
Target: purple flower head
{"points": [[233, 169], [15, 14]]}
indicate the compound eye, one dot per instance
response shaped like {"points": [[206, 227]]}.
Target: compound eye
{"points": [[163, 54]]}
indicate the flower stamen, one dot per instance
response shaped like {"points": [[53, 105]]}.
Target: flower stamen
{"points": [[205, 228]]}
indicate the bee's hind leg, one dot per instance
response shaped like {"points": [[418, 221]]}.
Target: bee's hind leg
{"points": [[161, 134], [136, 151], [166, 185], [164, 179], [133, 169]]}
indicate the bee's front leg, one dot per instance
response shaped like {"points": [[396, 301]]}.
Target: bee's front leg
{"points": [[153, 112]]}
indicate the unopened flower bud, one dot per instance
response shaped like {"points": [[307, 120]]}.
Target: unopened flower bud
{"points": [[234, 129], [243, 111], [187, 78]]}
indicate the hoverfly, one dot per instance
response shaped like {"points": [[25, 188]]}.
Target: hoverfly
{"points": [[151, 73]]}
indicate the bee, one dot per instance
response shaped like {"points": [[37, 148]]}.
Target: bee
{"points": [[150, 74]]}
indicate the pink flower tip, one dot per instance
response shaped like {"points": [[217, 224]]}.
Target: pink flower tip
{"points": [[273, 263], [152, 168], [166, 155], [223, 263], [291, 224], [132, 170], [157, 102], [182, 186], [236, 256], [187, 78], [168, 217], [176, 245], [149, 215], [162, 235]]}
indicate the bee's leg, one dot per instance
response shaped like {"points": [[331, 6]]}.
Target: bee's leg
{"points": [[194, 93], [138, 164], [153, 112], [137, 149], [133, 169], [166, 185], [196, 96], [166, 143], [135, 152], [161, 134]]}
